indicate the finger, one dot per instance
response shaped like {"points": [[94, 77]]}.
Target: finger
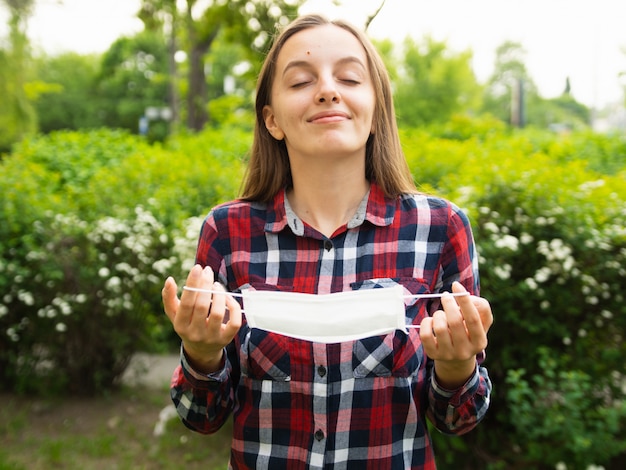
{"points": [[170, 298], [427, 336], [457, 329], [235, 317], [441, 328], [188, 298], [467, 308], [218, 306], [200, 302], [484, 310], [472, 318], [454, 313]]}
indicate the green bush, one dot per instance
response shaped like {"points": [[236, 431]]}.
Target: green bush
{"points": [[90, 226], [552, 245]]}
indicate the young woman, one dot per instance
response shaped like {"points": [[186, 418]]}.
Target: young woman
{"points": [[328, 205]]}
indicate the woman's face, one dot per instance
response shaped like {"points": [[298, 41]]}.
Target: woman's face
{"points": [[322, 96]]}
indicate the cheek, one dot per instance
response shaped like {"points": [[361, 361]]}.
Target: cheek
{"points": [[288, 115]]}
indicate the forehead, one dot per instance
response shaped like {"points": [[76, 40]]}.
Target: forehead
{"points": [[327, 41]]}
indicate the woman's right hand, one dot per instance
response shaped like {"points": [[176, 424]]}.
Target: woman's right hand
{"points": [[205, 322]]}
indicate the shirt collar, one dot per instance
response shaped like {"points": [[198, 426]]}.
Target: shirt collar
{"points": [[375, 207]]}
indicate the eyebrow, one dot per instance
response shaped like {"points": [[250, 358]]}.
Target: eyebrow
{"points": [[306, 63]]}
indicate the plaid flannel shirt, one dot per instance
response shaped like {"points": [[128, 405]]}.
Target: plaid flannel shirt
{"points": [[353, 405]]}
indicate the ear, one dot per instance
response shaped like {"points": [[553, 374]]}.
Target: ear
{"points": [[270, 123]]}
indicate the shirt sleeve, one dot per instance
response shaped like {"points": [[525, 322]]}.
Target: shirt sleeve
{"points": [[459, 411], [203, 401]]}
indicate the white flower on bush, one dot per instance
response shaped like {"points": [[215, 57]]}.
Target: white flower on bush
{"points": [[64, 307], [36, 256], [185, 243], [26, 297], [555, 250], [113, 284], [542, 274], [503, 271], [591, 185], [3, 310], [104, 272], [526, 238], [531, 283], [606, 314], [106, 229], [543, 221], [163, 266], [507, 241], [61, 327], [12, 334], [491, 227]]}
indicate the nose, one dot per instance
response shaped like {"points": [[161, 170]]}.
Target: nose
{"points": [[327, 91]]}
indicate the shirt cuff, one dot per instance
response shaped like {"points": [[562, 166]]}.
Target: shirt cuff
{"points": [[220, 375], [461, 394]]}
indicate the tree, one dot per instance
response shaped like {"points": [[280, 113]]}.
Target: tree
{"points": [[133, 77], [434, 83], [71, 101], [510, 85], [246, 22], [17, 115]]}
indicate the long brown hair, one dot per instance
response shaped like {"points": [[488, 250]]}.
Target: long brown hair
{"points": [[269, 170]]}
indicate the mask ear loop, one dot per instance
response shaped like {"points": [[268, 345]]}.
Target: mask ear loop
{"points": [[210, 291], [431, 296], [435, 296]]}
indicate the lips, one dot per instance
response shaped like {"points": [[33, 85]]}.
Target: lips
{"points": [[329, 117]]}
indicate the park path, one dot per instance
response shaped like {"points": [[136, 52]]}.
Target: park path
{"points": [[151, 370]]}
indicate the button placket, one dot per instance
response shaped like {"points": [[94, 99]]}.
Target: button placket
{"points": [[320, 393]]}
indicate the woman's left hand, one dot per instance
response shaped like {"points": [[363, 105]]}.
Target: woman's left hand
{"points": [[453, 336]]}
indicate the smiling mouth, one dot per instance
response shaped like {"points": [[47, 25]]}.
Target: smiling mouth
{"points": [[325, 118]]}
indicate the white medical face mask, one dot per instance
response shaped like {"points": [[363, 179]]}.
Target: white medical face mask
{"points": [[328, 318]]}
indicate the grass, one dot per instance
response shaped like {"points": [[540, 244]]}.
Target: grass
{"points": [[111, 432]]}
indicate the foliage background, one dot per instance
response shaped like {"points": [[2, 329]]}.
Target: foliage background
{"points": [[92, 222]]}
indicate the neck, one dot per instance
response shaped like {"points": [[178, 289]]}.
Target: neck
{"points": [[328, 201]]}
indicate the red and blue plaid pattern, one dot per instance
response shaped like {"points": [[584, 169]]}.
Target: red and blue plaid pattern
{"points": [[354, 405]]}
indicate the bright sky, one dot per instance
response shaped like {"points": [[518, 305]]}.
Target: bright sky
{"points": [[580, 39]]}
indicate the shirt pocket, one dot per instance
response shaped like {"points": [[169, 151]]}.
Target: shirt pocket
{"points": [[265, 355], [396, 354]]}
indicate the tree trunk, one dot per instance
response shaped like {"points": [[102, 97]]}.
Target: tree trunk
{"points": [[197, 113]]}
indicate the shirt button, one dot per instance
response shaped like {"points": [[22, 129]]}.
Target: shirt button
{"points": [[321, 370], [319, 434], [328, 245]]}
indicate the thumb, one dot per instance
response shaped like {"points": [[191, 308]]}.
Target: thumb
{"points": [[170, 298]]}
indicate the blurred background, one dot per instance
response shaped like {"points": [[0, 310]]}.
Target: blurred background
{"points": [[123, 122]]}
